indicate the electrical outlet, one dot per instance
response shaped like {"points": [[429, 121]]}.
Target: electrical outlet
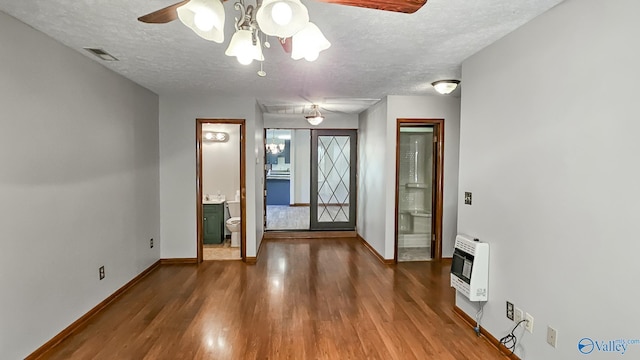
{"points": [[510, 311], [517, 315], [552, 336], [101, 272], [529, 323], [467, 198], [151, 243]]}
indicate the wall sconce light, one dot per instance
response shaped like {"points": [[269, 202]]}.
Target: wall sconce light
{"points": [[445, 87], [215, 136]]}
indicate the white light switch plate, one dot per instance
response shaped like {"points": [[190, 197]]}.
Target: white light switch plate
{"points": [[552, 336]]}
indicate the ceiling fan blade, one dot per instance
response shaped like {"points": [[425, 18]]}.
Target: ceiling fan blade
{"points": [[405, 6], [162, 16]]}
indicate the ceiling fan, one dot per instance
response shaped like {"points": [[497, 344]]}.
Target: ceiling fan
{"points": [[287, 20], [169, 13]]}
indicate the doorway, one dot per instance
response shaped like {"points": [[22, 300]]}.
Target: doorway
{"points": [[333, 180], [287, 176], [310, 179], [419, 186], [220, 189]]}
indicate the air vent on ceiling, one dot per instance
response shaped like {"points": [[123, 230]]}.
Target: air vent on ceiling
{"points": [[101, 54], [297, 109]]}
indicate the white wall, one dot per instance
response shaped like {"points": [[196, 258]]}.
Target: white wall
{"points": [[372, 186], [331, 121], [221, 162], [377, 164], [429, 107], [258, 174], [549, 150], [301, 165], [78, 185], [178, 114]]}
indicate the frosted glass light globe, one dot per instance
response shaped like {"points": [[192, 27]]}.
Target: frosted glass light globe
{"points": [[445, 87], [308, 42], [245, 59], [204, 20], [281, 13], [241, 46], [312, 56]]}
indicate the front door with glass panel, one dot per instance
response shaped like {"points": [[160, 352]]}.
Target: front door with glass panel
{"points": [[333, 180]]}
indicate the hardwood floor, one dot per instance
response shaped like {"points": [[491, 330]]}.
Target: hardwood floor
{"points": [[304, 299]]}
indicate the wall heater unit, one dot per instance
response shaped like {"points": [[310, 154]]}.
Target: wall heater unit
{"points": [[470, 268]]}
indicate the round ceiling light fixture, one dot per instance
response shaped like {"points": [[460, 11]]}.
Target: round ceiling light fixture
{"points": [[445, 87], [315, 117]]}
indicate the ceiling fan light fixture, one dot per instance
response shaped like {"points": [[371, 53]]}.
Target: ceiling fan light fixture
{"points": [[308, 42], [205, 18], [272, 17], [242, 47], [315, 117], [445, 87], [281, 13]]}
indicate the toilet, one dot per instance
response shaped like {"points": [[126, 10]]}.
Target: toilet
{"points": [[233, 224]]}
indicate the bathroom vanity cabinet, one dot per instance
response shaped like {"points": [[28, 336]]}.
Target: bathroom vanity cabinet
{"points": [[213, 223]]}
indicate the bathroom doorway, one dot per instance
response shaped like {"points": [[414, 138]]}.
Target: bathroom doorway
{"points": [[419, 179], [221, 189]]}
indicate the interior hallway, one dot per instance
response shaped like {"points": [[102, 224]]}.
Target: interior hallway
{"points": [[305, 299]]}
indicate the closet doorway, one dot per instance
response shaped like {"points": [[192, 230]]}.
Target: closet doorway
{"points": [[419, 187]]}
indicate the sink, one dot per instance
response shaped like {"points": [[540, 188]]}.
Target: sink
{"points": [[214, 199]]}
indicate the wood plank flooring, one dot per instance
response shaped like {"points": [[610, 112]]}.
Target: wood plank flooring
{"points": [[304, 299]]}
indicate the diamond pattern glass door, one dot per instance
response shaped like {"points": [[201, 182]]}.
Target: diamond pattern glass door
{"points": [[333, 181]]}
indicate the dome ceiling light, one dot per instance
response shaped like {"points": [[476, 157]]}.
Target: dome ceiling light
{"points": [[445, 87]]}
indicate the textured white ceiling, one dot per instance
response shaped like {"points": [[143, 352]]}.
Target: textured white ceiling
{"points": [[373, 54]]}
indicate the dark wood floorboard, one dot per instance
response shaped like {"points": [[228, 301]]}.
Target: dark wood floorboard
{"points": [[304, 299]]}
